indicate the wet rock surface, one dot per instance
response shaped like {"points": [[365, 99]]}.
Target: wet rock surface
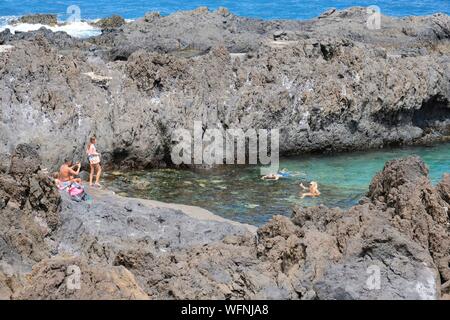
{"points": [[394, 245], [328, 84]]}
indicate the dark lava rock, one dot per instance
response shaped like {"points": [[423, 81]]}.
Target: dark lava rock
{"points": [[29, 212], [327, 84], [327, 13], [110, 23]]}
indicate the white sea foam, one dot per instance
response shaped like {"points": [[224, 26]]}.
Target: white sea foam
{"points": [[75, 29]]}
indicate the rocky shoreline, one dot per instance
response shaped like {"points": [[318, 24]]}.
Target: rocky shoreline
{"points": [[110, 23], [329, 84], [135, 249]]}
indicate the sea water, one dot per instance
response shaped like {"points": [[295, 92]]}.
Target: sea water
{"points": [[238, 193], [263, 9]]}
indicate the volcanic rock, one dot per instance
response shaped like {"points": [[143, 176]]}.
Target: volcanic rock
{"points": [[46, 19]]}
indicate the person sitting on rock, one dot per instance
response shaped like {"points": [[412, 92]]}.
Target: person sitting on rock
{"points": [[68, 173], [313, 190]]}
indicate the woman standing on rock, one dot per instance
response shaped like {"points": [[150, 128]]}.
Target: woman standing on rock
{"points": [[94, 161]]}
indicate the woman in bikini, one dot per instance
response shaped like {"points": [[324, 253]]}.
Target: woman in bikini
{"points": [[94, 161]]}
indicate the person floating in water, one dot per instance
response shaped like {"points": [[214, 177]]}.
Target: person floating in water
{"points": [[271, 176], [94, 161], [55, 177], [313, 190], [68, 172]]}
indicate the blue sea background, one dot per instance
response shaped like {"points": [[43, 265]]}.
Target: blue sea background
{"points": [[264, 9]]}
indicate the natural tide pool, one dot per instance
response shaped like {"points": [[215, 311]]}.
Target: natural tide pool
{"points": [[238, 193]]}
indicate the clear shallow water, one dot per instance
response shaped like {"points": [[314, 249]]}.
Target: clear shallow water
{"points": [[265, 9], [238, 193]]}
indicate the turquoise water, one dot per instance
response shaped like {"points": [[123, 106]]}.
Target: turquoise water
{"points": [[238, 193], [265, 9]]}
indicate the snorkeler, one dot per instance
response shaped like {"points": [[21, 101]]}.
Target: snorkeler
{"points": [[313, 190]]}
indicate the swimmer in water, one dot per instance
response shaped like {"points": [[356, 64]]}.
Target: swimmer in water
{"points": [[313, 190]]}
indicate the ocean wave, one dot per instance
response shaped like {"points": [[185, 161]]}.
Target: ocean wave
{"points": [[80, 29], [5, 20]]}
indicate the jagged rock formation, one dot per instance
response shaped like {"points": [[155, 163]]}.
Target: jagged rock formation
{"points": [[394, 245], [45, 19], [48, 280], [444, 187], [29, 215], [329, 84]]}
